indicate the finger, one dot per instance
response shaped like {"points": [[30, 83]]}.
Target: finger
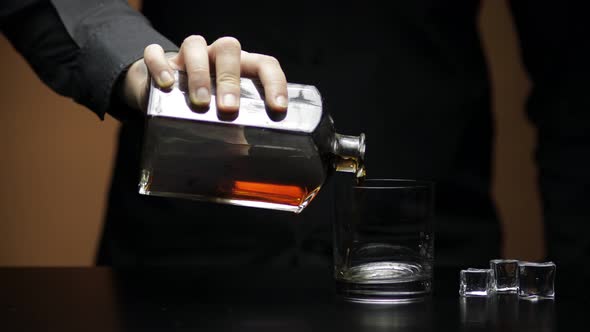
{"points": [[193, 52], [158, 66], [225, 53], [272, 77]]}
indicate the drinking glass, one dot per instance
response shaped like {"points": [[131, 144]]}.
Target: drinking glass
{"points": [[384, 240]]}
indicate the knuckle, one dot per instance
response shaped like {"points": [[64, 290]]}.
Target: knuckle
{"points": [[277, 83], [196, 81], [153, 47], [228, 42], [197, 71], [194, 39], [228, 79], [271, 61], [151, 51]]}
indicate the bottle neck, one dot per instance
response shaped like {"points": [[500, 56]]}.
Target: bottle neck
{"points": [[349, 152]]}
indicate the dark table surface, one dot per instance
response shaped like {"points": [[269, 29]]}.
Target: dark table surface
{"points": [[102, 299]]}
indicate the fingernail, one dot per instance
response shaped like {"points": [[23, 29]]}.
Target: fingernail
{"points": [[281, 101], [165, 78], [229, 100], [201, 96]]}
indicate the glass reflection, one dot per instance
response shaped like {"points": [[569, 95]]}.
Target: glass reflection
{"points": [[475, 311], [391, 317], [506, 310], [537, 315]]}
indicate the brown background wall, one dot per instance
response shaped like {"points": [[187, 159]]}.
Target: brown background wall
{"points": [[515, 185], [56, 159]]}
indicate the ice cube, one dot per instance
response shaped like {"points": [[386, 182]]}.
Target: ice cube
{"points": [[476, 282], [504, 275], [536, 280]]}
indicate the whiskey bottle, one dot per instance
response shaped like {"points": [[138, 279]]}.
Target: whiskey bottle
{"points": [[259, 158]]}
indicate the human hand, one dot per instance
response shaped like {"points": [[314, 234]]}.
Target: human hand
{"points": [[224, 57]]}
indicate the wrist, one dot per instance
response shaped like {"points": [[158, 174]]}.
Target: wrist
{"points": [[134, 86]]}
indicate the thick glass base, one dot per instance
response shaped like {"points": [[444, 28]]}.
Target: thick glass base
{"points": [[384, 282], [400, 292]]}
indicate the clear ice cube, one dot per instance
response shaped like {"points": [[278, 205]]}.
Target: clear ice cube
{"points": [[536, 280], [476, 282], [504, 275]]}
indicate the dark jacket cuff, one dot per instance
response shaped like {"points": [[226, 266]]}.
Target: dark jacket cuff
{"points": [[108, 52]]}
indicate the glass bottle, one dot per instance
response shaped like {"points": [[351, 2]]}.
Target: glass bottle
{"points": [[258, 159]]}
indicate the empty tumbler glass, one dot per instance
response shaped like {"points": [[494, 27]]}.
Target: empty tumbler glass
{"points": [[383, 240]]}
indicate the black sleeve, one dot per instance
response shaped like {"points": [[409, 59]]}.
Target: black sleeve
{"points": [[554, 41], [80, 48]]}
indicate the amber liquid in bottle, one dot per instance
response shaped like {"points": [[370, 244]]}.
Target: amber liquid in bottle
{"points": [[221, 163], [281, 193]]}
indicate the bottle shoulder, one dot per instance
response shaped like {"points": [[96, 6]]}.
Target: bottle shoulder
{"points": [[304, 113]]}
